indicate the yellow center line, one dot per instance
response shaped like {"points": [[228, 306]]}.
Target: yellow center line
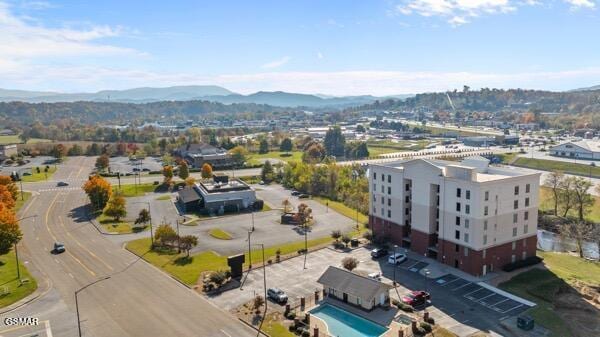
{"points": [[54, 237], [82, 246]]}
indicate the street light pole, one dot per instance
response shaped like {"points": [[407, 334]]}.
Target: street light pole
{"points": [[17, 251], [265, 287], [77, 302], [394, 282]]}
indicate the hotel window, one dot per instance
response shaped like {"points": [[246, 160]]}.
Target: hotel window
{"points": [[525, 229], [374, 175], [517, 190], [526, 202], [389, 213], [466, 239], [375, 188], [466, 223], [468, 209], [514, 232], [515, 218], [458, 192], [383, 177], [407, 187], [516, 204], [457, 235], [457, 248], [382, 189], [389, 178], [457, 221], [406, 211], [487, 196], [389, 190], [407, 199], [527, 188], [514, 245], [389, 201], [382, 200], [526, 215], [485, 239], [382, 213], [485, 225], [468, 195], [524, 255], [485, 211], [458, 206]]}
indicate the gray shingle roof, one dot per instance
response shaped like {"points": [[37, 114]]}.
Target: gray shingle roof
{"points": [[350, 283], [188, 194]]}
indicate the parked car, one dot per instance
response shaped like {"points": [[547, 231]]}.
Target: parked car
{"points": [[303, 196], [62, 183], [375, 276], [135, 169], [295, 193], [416, 298], [277, 295], [378, 252], [59, 247], [145, 169], [397, 258]]}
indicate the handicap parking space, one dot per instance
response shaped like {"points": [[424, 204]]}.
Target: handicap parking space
{"points": [[446, 280], [479, 294], [507, 306], [408, 263]]}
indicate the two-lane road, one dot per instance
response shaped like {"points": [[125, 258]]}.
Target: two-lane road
{"points": [[137, 299]]}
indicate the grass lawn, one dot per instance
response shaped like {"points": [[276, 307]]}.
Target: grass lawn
{"points": [[121, 227], [39, 176], [14, 139], [253, 158], [507, 158], [463, 133], [555, 165], [188, 270], [219, 234], [19, 203], [274, 328], [8, 280], [343, 209], [131, 190], [379, 147], [547, 204], [438, 331], [540, 286]]}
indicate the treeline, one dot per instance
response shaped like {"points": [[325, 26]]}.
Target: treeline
{"points": [[16, 114], [495, 100]]}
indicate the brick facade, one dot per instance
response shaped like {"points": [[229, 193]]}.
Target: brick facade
{"points": [[389, 229]]}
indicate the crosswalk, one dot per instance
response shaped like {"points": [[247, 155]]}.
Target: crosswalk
{"points": [[61, 189]]}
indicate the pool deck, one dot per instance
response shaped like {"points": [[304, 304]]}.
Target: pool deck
{"points": [[379, 316]]}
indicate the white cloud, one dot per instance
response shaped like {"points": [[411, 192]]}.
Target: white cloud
{"points": [[576, 4], [276, 63], [458, 12]]}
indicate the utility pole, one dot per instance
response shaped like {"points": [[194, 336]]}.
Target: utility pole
{"points": [[17, 252], [77, 302], [249, 251]]}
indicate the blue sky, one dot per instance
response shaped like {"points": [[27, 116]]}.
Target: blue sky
{"points": [[331, 47]]}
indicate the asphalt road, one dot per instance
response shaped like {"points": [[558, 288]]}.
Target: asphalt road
{"points": [[137, 299]]}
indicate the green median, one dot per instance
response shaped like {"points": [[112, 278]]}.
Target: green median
{"points": [[11, 289]]}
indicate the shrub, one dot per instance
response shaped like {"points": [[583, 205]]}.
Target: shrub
{"points": [[405, 307], [430, 320], [530, 261], [301, 251], [396, 303], [426, 327], [305, 333], [291, 315]]}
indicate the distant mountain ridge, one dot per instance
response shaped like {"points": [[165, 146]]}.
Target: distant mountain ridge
{"points": [[595, 87], [194, 92]]}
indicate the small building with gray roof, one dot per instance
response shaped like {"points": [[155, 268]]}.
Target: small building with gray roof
{"points": [[354, 289]]}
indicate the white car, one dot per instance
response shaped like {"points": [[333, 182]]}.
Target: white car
{"points": [[375, 276], [397, 258]]}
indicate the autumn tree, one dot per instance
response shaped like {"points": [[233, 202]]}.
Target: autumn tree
{"points": [[187, 242], [10, 233], [98, 190], [116, 206], [59, 151], [238, 155], [10, 186], [190, 181], [206, 171], [184, 170], [349, 263], [165, 235], [102, 162], [168, 174], [6, 198], [287, 206]]}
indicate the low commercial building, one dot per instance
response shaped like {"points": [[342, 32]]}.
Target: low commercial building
{"points": [[469, 215], [8, 150], [354, 289], [199, 154], [217, 196], [584, 149]]}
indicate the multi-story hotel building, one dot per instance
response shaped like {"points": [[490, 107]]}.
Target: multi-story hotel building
{"points": [[467, 214]]}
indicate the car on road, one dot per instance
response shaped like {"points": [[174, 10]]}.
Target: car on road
{"points": [[295, 193], [397, 258], [378, 252], [62, 183], [59, 247], [277, 295], [145, 169], [303, 196], [375, 276], [135, 169], [416, 298]]}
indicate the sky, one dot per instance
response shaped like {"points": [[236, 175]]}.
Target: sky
{"points": [[328, 47]]}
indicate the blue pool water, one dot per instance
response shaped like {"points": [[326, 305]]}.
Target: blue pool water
{"points": [[344, 324]]}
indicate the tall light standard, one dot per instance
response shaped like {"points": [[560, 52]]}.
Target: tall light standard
{"points": [[17, 251], [264, 285], [77, 303], [394, 282]]}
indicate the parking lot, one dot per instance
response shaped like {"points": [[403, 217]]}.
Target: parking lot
{"points": [[458, 304], [124, 165]]}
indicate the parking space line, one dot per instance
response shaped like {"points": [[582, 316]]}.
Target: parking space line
{"points": [[483, 298], [504, 300], [504, 312], [464, 285], [447, 283], [472, 292]]}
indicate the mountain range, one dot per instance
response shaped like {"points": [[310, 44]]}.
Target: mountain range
{"points": [[194, 92]]}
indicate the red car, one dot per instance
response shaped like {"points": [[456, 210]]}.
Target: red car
{"points": [[416, 298]]}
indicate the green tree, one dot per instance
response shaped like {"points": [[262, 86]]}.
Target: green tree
{"points": [[583, 199], [184, 171], [266, 174], [335, 142], [143, 217], [314, 153], [349, 263], [75, 150], [286, 145], [116, 207], [360, 128], [264, 146], [238, 155], [187, 242], [168, 174], [165, 235], [336, 235]]}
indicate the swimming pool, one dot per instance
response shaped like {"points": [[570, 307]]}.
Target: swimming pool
{"points": [[342, 323]]}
